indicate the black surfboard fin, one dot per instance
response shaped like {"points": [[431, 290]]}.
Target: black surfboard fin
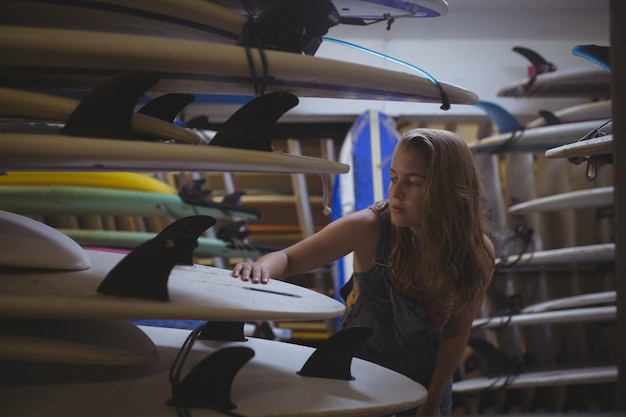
{"points": [[233, 198], [167, 106], [144, 272], [251, 126], [549, 118], [539, 64], [333, 358], [209, 383], [229, 331], [194, 193], [107, 111], [192, 226], [294, 26], [199, 122], [236, 231]]}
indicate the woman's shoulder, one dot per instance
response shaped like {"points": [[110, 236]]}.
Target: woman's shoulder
{"points": [[365, 218]]}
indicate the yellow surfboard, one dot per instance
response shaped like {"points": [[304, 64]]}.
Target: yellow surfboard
{"points": [[119, 180]]}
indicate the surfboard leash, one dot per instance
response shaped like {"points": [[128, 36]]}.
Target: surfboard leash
{"points": [[594, 162], [445, 101], [179, 398], [251, 38]]}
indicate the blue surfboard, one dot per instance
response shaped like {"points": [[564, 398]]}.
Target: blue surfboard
{"points": [[367, 148]]}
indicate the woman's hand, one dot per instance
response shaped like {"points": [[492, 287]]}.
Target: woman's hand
{"points": [[254, 272]]}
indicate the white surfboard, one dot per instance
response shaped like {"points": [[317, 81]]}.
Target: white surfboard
{"points": [[573, 301], [27, 242], [589, 375], [179, 18], [33, 152], [22, 103], [587, 111], [573, 200], [267, 385], [87, 342], [571, 315], [537, 139], [590, 81], [603, 252], [220, 20], [40, 57], [193, 292], [602, 145]]}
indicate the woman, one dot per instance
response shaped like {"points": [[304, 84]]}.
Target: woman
{"points": [[422, 263]]}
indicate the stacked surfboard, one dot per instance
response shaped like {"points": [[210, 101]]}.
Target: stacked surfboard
{"points": [[569, 205], [66, 329], [111, 79]]}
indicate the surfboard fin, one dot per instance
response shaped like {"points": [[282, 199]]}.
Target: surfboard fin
{"points": [[107, 111], [333, 358], [296, 27], [251, 126], [144, 272], [539, 64], [230, 331], [192, 226], [209, 383], [504, 120], [167, 106], [597, 54], [193, 193], [549, 118]]}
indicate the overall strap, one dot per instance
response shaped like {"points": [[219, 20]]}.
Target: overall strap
{"points": [[382, 255]]}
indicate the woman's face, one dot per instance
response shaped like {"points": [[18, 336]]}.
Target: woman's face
{"points": [[406, 187]]}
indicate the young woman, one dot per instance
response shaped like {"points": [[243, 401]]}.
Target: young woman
{"points": [[422, 263]]}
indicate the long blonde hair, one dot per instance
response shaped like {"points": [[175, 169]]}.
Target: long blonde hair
{"points": [[448, 259]]}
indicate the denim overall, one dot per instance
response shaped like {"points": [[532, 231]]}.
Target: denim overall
{"points": [[403, 339]]}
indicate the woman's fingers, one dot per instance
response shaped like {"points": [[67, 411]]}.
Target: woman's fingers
{"points": [[250, 271]]}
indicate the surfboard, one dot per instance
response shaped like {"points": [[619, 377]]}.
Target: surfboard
{"points": [[87, 342], [27, 242], [143, 289], [80, 200], [571, 315], [588, 82], [602, 145], [254, 378], [536, 139], [47, 107], [188, 18], [573, 200], [603, 252], [207, 247], [118, 180], [33, 152], [581, 300], [76, 59], [588, 375], [367, 148], [221, 20], [594, 110], [375, 10]]}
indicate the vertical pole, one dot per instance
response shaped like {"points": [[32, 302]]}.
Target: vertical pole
{"points": [[618, 94]]}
